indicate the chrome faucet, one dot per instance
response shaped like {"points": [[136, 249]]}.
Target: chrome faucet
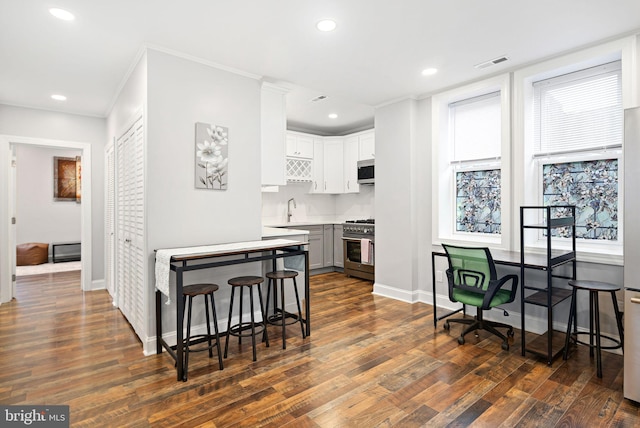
{"points": [[289, 213]]}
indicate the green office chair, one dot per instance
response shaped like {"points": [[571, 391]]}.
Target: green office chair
{"points": [[473, 281]]}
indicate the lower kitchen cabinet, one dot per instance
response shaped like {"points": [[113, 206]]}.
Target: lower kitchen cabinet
{"points": [[338, 250], [327, 245], [316, 247]]}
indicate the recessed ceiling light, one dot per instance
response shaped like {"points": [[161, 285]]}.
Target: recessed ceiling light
{"points": [[326, 25], [59, 97], [333, 116], [429, 71], [65, 15]]}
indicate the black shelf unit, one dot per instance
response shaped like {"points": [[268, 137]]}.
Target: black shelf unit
{"points": [[549, 345]]}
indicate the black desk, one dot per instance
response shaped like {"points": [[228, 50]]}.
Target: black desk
{"points": [[500, 257], [234, 253]]}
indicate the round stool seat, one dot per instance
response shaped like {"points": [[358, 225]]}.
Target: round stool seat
{"points": [[245, 280], [282, 274], [199, 289], [593, 285]]}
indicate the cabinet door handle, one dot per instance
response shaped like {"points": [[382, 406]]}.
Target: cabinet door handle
{"points": [[315, 185], [347, 184], [635, 300], [325, 185]]}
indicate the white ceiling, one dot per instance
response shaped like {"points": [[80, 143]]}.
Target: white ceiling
{"points": [[375, 55]]}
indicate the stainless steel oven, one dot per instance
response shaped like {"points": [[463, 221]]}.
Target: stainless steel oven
{"points": [[358, 240]]}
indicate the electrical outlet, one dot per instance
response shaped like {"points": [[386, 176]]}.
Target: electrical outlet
{"points": [[438, 276]]}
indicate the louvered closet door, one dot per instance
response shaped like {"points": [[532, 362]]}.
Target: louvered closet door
{"points": [[130, 226], [110, 224]]}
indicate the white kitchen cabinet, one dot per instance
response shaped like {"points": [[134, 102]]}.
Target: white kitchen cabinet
{"points": [[351, 147], [338, 257], [367, 145], [316, 247], [299, 145], [333, 165], [317, 168], [328, 245], [273, 125]]}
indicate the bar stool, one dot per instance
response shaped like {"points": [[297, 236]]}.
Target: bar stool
{"points": [[237, 329], [279, 314], [594, 287], [192, 291]]}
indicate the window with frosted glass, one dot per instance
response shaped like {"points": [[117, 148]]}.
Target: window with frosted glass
{"points": [[592, 186], [478, 201]]}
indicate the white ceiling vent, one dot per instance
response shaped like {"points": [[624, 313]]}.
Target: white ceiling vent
{"points": [[491, 62], [319, 98]]}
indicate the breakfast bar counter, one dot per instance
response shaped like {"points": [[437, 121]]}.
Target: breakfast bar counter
{"points": [[180, 260]]}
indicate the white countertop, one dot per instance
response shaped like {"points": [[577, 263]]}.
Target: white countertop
{"points": [[303, 223], [274, 232]]}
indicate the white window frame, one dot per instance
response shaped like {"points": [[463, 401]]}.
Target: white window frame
{"points": [[527, 185], [443, 170]]}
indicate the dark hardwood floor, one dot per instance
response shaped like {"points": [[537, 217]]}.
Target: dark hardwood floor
{"points": [[370, 361]]}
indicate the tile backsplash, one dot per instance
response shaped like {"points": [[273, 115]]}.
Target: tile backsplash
{"points": [[316, 207]]}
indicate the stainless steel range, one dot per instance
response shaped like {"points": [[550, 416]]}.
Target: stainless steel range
{"points": [[358, 238]]}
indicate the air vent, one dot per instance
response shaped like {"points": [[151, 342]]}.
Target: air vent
{"points": [[319, 98], [491, 62]]}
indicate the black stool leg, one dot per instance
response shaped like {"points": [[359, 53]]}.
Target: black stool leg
{"points": [[215, 328], [188, 339], [616, 311], [591, 319], [265, 336], [240, 321], [284, 333], [598, 344], [226, 342], [572, 315], [253, 325], [295, 288], [206, 312]]}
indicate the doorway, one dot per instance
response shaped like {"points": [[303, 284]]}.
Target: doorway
{"points": [[8, 209]]}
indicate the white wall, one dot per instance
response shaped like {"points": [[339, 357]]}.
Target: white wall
{"points": [[26, 122], [396, 200], [180, 93], [40, 218]]}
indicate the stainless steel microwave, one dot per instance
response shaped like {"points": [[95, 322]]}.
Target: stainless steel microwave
{"points": [[365, 171]]}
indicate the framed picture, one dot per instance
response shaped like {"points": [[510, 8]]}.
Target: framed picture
{"points": [[212, 158], [67, 179]]}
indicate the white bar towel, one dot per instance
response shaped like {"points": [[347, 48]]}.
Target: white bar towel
{"points": [[365, 253]]}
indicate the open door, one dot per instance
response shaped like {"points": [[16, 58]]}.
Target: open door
{"points": [[12, 216]]}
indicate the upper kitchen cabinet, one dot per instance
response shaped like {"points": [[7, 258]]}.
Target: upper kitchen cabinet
{"points": [[317, 169], [367, 145], [299, 145], [333, 165], [273, 125], [351, 147]]}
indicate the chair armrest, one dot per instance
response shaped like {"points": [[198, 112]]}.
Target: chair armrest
{"points": [[498, 284]]}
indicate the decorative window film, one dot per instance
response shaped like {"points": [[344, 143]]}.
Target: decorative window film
{"points": [[478, 201], [592, 186]]}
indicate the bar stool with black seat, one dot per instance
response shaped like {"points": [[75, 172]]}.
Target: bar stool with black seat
{"points": [[593, 287], [207, 291], [280, 315], [239, 330]]}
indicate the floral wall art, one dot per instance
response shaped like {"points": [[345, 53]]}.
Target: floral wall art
{"points": [[212, 159]]}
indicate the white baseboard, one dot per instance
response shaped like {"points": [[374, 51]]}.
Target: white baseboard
{"points": [[98, 284]]}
